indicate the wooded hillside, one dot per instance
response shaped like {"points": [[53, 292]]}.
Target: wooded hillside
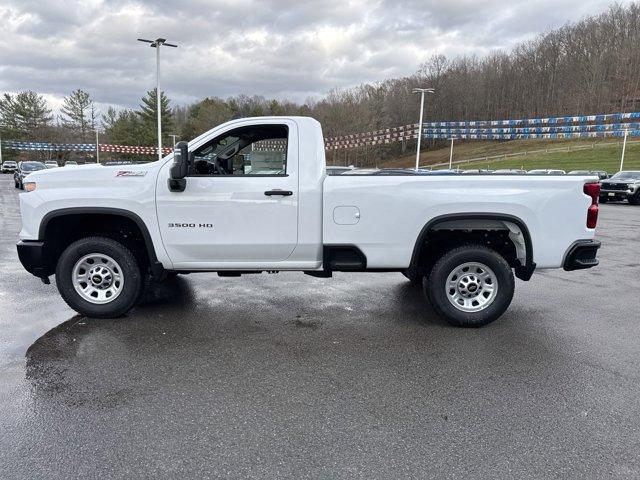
{"points": [[591, 66]]}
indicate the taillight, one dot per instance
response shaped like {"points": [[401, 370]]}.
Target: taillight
{"points": [[593, 190]]}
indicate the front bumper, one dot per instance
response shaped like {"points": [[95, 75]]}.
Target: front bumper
{"points": [[582, 254], [31, 255], [616, 193]]}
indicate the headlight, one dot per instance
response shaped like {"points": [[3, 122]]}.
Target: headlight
{"points": [[29, 186]]}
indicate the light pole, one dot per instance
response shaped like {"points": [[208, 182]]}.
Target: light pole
{"points": [[421, 91], [97, 149], [624, 147], [157, 43]]}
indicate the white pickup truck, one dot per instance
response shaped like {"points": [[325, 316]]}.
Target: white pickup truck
{"points": [[252, 195]]}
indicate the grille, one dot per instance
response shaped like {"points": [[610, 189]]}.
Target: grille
{"points": [[615, 186]]}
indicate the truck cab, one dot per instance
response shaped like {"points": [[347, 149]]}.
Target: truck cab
{"points": [[251, 198]]}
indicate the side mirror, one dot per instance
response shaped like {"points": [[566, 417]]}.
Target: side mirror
{"points": [[180, 168]]}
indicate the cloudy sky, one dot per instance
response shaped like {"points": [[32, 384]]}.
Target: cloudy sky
{"points": [[292, 49]]}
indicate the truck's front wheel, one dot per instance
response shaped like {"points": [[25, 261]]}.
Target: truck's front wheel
{"points": [[470, 286], [99, 277]]}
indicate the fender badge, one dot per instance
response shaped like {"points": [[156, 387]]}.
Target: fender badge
{"points": [[131, 173]]}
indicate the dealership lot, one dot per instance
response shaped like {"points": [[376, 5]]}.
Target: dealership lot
{"points": [[291, 376]]}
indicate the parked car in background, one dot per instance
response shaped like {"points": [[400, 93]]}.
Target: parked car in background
{"points": [[335, 170], [477, 171], [399, 171], [509, 171], [546, 171], [601, 174], [112, 163], [621, 186], [361, 171], [51, 164], [24, 169], [9, 166], [70, 162], [443, 172]]}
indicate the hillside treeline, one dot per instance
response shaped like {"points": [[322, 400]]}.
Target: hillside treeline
{"points": [[587, 67]]}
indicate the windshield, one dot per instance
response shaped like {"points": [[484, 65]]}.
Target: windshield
{"points": [[32, 167], [626, 176]]}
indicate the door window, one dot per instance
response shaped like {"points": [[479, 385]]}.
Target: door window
{"points": [[255, 150]]}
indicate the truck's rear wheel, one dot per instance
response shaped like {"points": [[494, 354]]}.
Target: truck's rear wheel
{"points": [[470, 286], [99, 277]]}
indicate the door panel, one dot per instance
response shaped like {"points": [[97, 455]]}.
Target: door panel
{"points": [[229, 219]]}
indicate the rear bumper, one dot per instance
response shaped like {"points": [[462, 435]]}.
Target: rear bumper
{"points": [[31, 255], [580, 255]]}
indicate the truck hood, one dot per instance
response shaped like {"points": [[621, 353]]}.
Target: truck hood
{"points": [[88, 174]]}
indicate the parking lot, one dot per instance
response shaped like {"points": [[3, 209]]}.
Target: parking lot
{"points": [[288, 376]]}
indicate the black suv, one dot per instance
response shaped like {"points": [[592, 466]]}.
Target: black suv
{"points": [[620, 186], [24, 169]]}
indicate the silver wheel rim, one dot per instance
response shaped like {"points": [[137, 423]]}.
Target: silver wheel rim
{"points": [[97, 278], [471, 287]]}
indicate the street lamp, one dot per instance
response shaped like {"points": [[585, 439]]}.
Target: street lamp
{"points": [[624, 147], [97, 148], [421, 91], [157, 43]]}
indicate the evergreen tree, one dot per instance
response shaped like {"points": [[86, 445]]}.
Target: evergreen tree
{"points": [[124, 128], [204, 115], [109, 119], [148, 119], [24, 116], [78, 114]]}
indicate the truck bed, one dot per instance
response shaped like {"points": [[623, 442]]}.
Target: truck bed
{"points": [[383, 215]]}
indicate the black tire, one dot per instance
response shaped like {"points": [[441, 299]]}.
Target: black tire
{"points": [[604, 199], [635, 199], [437, 292], [15, 184], [131, 273]]}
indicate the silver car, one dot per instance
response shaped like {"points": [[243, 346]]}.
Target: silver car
{"points": [[9, 166], [546, 171]]}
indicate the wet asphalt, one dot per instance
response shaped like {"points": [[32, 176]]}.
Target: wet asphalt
{"points": [[288, 376]]}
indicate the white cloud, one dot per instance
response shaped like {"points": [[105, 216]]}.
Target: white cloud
{"points": [[279, 48]]}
